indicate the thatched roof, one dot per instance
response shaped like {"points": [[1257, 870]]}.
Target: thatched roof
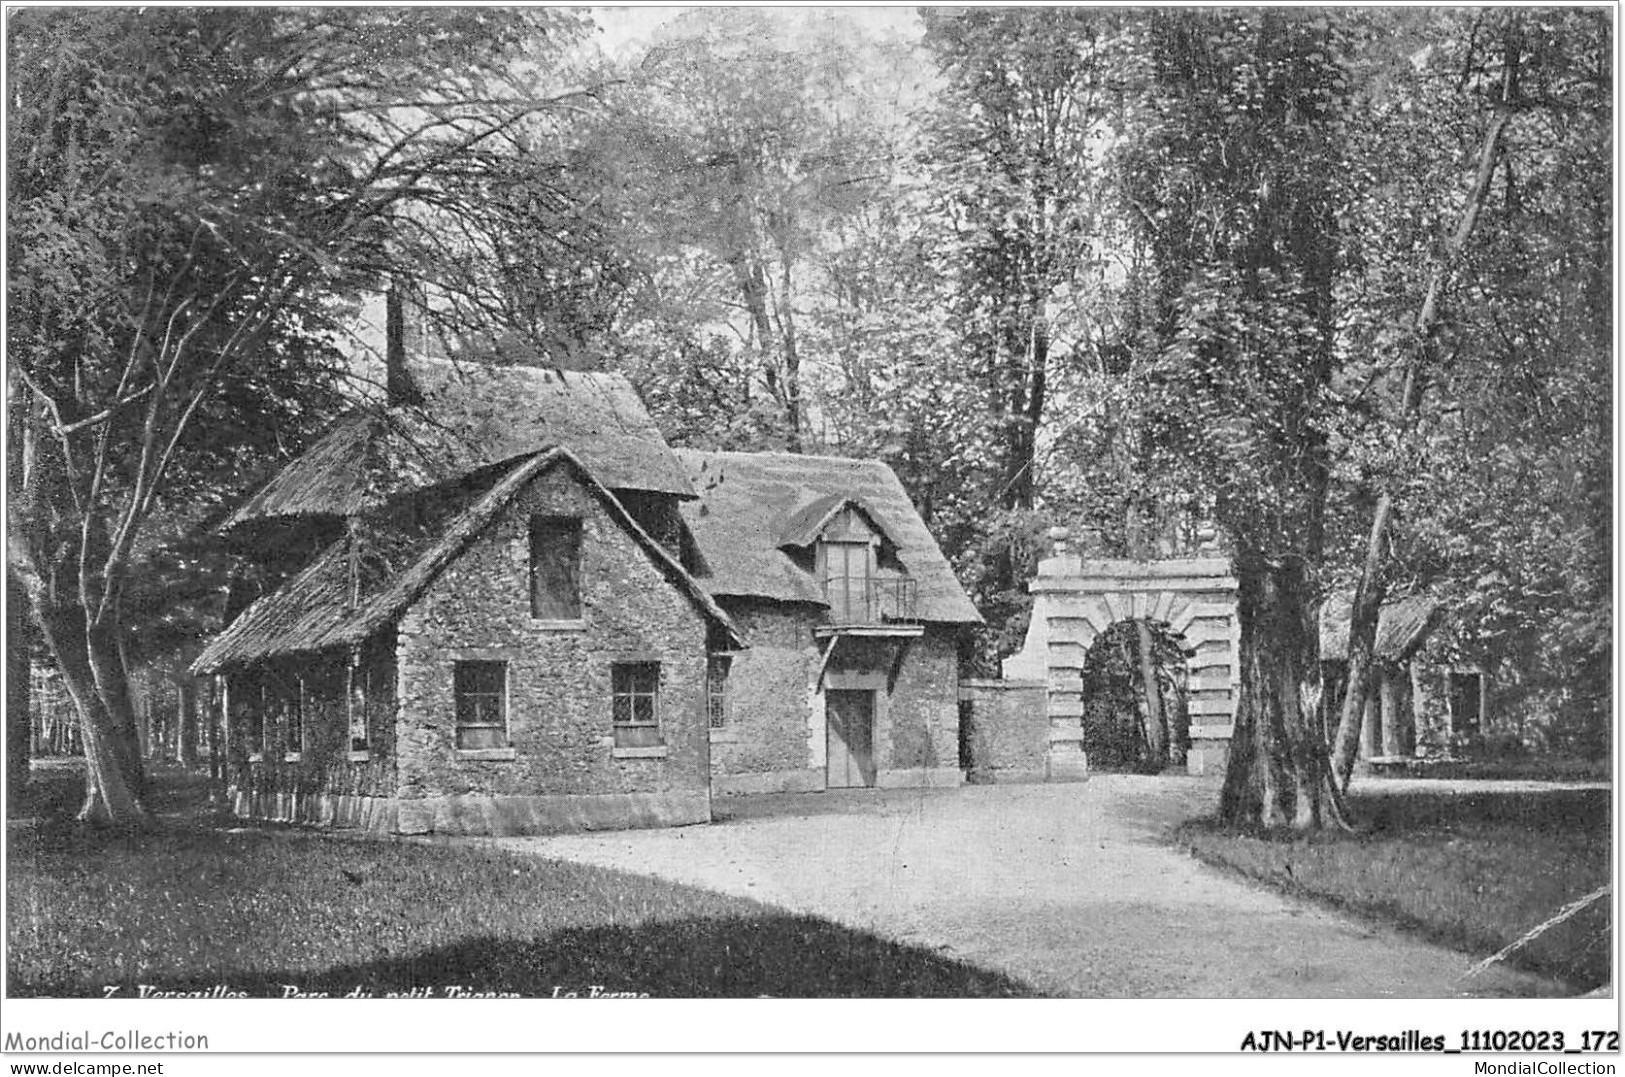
{"points": [[474, 417], [319, 609], [807, 523], [1402, 626], [752, 504]]}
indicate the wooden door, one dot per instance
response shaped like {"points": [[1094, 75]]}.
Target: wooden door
{"points": [[846, 581], [850, 720]]}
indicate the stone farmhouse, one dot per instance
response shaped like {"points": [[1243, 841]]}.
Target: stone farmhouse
{"points": [[853, 617], [514, 609]]}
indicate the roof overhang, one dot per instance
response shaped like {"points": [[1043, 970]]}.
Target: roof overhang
{"points": [[881, 631]]}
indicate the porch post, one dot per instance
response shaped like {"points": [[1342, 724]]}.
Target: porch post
{"points": [[1393, 733]]}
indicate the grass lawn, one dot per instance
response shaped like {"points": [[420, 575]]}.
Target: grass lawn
{"points": [[187, 907], [1473, 871]]}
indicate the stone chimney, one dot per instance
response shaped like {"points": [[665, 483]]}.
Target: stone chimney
{"points": [[399, 385]]}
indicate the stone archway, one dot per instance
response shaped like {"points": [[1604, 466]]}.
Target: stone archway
{"points": [[1075, 600], [1125, 727]]}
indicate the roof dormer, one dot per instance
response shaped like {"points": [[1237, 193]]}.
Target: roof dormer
{"points": [[853, 559]]}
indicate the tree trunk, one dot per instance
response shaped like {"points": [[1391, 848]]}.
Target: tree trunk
{"points": [[1363, 617], [20, 638], [1029, 357], [19, 709], [753, 291], [45, 536], [106, 659], [1277, 768], [792, 357], [1156, 742], [110, 751]]}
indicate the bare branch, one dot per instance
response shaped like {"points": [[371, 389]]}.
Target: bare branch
{"points": [[106, 413], [57, 424]]}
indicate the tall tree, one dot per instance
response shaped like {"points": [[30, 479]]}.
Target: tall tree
{"points": [[1016, 144], [1026, 94], [192, 192], [536, 274], [1232, 171], [1517, 90], [740, 140]]}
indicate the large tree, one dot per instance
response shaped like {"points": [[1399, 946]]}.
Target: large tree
{"points": [[1477, 309], [1375, 248], [194, 193], [1016, 145], [1232, 171], [736, 148]]}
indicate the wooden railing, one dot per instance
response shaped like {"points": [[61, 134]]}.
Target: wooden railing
{"points": [[868, 600]]}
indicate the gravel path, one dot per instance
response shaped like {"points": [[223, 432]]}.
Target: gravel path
{"points": [[1063, 886]]}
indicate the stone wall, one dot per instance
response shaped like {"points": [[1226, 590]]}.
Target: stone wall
{"points": [[562, 769], [774, 739], [923, 708], [1008, 729], [763, 745]]}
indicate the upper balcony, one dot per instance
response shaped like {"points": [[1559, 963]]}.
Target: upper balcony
{"points": [[870, 605]]}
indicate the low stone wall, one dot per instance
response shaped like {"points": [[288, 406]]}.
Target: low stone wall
{"points": [[551, 814], [1008, 729], [773, 781], [373, 814], [469, 815]]}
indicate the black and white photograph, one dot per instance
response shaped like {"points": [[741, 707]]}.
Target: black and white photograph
{"points": [[535, 504]]}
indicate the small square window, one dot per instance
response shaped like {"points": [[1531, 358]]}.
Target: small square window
{"points": [[635, 704], [481, 691]]}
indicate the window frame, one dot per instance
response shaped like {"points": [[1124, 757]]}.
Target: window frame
{"points": [[625, 687], [718, 699], [462, 692]]}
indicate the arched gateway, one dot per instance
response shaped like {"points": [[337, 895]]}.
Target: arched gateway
{"points": [[1075, 600]]}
